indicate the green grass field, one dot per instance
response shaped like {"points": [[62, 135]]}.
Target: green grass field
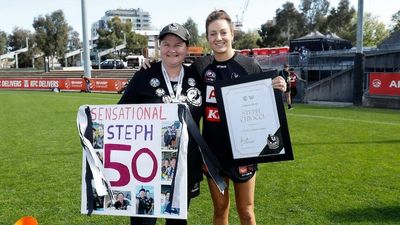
{"points": [[346, 168]]}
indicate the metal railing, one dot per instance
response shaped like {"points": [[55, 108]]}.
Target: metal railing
{"points": [[335, 60]]}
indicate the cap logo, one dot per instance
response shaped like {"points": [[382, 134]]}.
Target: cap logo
{"points": [[173, 27]]}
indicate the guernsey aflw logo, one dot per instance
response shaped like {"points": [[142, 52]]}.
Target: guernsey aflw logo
{"points": [[210, 95], [212, 114]]}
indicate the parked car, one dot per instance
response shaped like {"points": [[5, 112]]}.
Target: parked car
{"points": [[134, 61], [110, 64]]}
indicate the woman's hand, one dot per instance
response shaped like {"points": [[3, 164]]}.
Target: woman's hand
{"points": [[146, 64], [279, 83]]}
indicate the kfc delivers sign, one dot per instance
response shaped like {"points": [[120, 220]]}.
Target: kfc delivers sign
{"points": [[384, 84]]}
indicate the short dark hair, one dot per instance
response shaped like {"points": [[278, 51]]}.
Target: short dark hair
{"points": [[218, 15]]}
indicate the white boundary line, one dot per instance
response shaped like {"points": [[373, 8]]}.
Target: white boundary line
{"points": [[50, 94], [344, 119]]}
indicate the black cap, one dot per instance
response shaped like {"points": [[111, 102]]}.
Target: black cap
{"points": [[175, 29]]}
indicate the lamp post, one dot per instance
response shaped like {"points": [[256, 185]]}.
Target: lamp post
{"points": [[359, 58], [86, 53]]}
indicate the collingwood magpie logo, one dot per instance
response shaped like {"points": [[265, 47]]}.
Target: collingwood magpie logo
{"points": [[272, 141], [234, 75], [210, 76], [154, 82], [173, 27], [160, 92], [192, 82], [194, 96]]}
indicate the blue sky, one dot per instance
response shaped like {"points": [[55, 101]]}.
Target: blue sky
{"points": [[21, 13]]}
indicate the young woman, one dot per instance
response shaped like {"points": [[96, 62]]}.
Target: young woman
{"points": [[226, 64]]}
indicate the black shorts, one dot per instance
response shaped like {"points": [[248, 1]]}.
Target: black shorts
{"points": [[288, 88], [238, 174], [293, 91]]}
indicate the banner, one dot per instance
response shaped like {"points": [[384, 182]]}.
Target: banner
{"points": [[131, 165], [384, 84], [65, 84]]}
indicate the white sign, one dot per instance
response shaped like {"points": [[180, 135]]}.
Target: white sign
{"points": [[134, 158]]}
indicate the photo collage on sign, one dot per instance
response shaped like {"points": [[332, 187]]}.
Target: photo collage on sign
{"points": [[166, 204], [98, 135], [144, 200], [170, 136], [122, 200], [141, 199]]}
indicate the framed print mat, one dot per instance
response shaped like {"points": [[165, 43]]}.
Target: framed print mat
{"points": [[255, 117]]}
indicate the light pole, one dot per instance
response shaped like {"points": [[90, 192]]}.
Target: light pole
{"points": [[86, 49], [359, 58]]}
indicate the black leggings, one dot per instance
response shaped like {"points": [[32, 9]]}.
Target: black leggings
{"points": [[143, 221], [152, 221], [293, 92]]}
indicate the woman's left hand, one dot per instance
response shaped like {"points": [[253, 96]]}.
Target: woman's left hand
{"points": [[279, 83]]}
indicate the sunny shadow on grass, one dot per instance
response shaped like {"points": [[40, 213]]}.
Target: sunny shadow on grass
{"points": [[382, 215]]}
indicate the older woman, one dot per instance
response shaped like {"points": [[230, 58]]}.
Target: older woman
{"points": [[166, 82]]}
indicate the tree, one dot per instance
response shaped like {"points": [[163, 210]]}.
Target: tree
{"points": [[342, 21], [191, 26], [74, 41], [395, 21], [288, 24], [113, 35], [374, 30], [135, 43], [3, 42], [290, 21], [247, 40], [315, 12], [51, 34], [18, 40], [204, 44], [270, 35]]}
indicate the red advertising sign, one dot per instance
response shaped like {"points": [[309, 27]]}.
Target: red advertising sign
{"points": [[66, 84], [384, 84]]}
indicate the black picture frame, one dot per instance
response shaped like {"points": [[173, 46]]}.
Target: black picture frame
{"points": [[270, 152]]}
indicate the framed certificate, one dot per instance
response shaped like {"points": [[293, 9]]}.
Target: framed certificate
{"points": [[255, 117]]}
